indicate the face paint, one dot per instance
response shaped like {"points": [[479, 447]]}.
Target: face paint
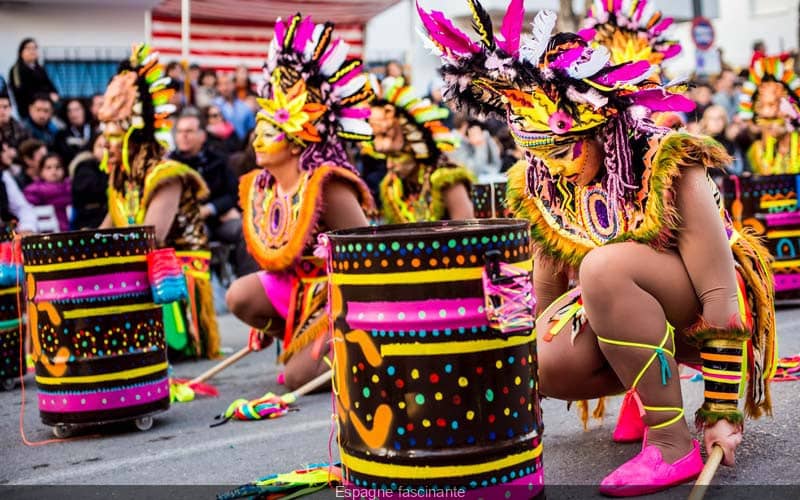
{"points": [[575, 162], [269, 140]]}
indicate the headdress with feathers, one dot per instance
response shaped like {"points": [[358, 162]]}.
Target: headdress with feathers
{"points": [[420, 121], [551, 88], [631, 29], [765, 70], [313, 92]]}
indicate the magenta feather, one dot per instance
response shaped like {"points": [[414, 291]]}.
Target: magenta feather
{"points": [[639, 9], [659, 100], [303, 34], [663, 25], [672, 51], [511, 29], [617, 5], [566, 58], [445, 34], [587, 34], [280, 31], [623, 73]]}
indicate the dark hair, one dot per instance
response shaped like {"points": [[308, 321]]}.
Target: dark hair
{"points": [[191, 112], [206, 72], [64, 114], [194, 66], [28, 147], [40, 97], [171, 65], [758, 44], [22, 44], [206, 109], [476, 123], [52, 155], [93, 140]]}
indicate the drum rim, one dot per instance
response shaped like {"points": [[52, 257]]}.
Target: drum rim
{"points": [[411, 230], [123, 231]]}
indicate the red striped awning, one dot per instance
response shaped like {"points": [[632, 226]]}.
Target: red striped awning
{"points": [[227, 33]]}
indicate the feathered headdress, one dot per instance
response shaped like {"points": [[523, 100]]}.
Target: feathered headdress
{"points": [[138, 99], [770, 75], [424, 134], [632, 30], [312, 91]]}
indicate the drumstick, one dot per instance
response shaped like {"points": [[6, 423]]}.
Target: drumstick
{"points": [[707, 474], [244, 351]]}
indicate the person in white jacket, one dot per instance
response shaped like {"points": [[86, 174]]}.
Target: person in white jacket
{"points": [[13, 204]]}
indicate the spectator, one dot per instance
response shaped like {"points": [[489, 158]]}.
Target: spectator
{"points": [[52, 188], [715, 124], [395, 69], [40, 120], [28, 78], [94, 108], [220, 214], [78, 132], [206, 89], [89, 186], [241, 80], [12, 133], [725, 93], [13, 205], [194, 74], [175, 72], [233, 109], [435, 95], [30, 155], [701, 94], [759, 51], [221, 134], [479, 153]]}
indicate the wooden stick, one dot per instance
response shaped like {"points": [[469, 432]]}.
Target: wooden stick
{"points": [[220, 366], [313, 384], [707, 474]]}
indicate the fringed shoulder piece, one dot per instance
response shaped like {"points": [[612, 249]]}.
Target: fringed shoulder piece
{"points": [[568, 220], [278, 234], [169, 170], [444, 178]]}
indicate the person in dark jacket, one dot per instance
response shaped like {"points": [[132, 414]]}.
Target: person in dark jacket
{"points": [[12, 132], [28, 78], [40, 120], [75, 137], [89, 186], [220, 210]]}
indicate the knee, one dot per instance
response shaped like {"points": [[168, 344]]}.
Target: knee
{"points": [[600, 272], [236, 298]]}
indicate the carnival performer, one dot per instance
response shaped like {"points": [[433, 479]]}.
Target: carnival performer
{"points": [[631, 209], [312, 99], [146, 189], [769, 102], [421, 184]]}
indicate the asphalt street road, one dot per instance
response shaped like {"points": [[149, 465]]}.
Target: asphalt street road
{"points": [[181, 449]]}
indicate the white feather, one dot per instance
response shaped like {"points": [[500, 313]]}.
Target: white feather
{"points": [[355, 126], [354, 85], [597, 61], [334, 58], [543, 26], [308, 51], [428, 44], [647, 13], [161, 82], [625, 9]]}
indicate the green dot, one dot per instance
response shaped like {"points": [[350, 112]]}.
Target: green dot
{"points": [[369, 247], [489, 395], [350, 247], [381, 247], [502, 237], [474, 241], [421, 245], [485, 240], [451, 243], [358, 247], [494, 238], [409, 246], [435, 245], [366, 392], [395, 246], [465, 241], [84, 343], [420, 399], [421, 314], [58, 244]]}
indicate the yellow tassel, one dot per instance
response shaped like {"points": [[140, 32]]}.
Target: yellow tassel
{"points": [[600, 409], [583, 413], [209, 332], [316, 328]]}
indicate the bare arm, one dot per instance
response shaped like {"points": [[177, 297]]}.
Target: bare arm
{"points": [[163, 208], [704, 248], [458, 203], [550, 281], [106, 224], [342, 209]]}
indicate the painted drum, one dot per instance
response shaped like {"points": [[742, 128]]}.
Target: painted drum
{"points": [[489, 200], [10, 299], [768, 205], [435, 358], [98, 338]]}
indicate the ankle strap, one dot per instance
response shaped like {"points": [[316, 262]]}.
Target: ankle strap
{"points": [[669, 422], [659, 353]]}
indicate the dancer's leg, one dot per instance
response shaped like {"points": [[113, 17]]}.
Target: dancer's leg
{"points": [[248, 301], [630, 292]]}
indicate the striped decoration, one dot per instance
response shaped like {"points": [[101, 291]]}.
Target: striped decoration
{"points": [[722, 372], [223, 44]]}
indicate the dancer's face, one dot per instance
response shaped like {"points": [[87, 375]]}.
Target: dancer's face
{"points": [[114, 135], [271, 145], [402, 164], [577, 162]]}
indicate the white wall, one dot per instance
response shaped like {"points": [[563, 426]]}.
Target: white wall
{"points": [[56, 25]]}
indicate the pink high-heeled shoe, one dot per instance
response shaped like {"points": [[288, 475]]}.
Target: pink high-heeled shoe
{"points": [[648, 473], [630, 427]]}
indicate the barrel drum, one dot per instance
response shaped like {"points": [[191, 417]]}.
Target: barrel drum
{"points": [[10, 289], [432, 391]]}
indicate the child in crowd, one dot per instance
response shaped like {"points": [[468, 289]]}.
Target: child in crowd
{"points": [[52, 188]]}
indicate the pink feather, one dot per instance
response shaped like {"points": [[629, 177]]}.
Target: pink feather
{"points": [[659, 100], [672, 51], [639, 10], [280, 31], [512, 27], [587, 34], [445, 34], [567, 58], [663, 25], [624, 73], [303, 34]]}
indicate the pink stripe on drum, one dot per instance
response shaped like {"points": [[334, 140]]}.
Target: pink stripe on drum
{"points": [[783, 219], [786, 282], [101, 285], [417, 314], [104, 399]]}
